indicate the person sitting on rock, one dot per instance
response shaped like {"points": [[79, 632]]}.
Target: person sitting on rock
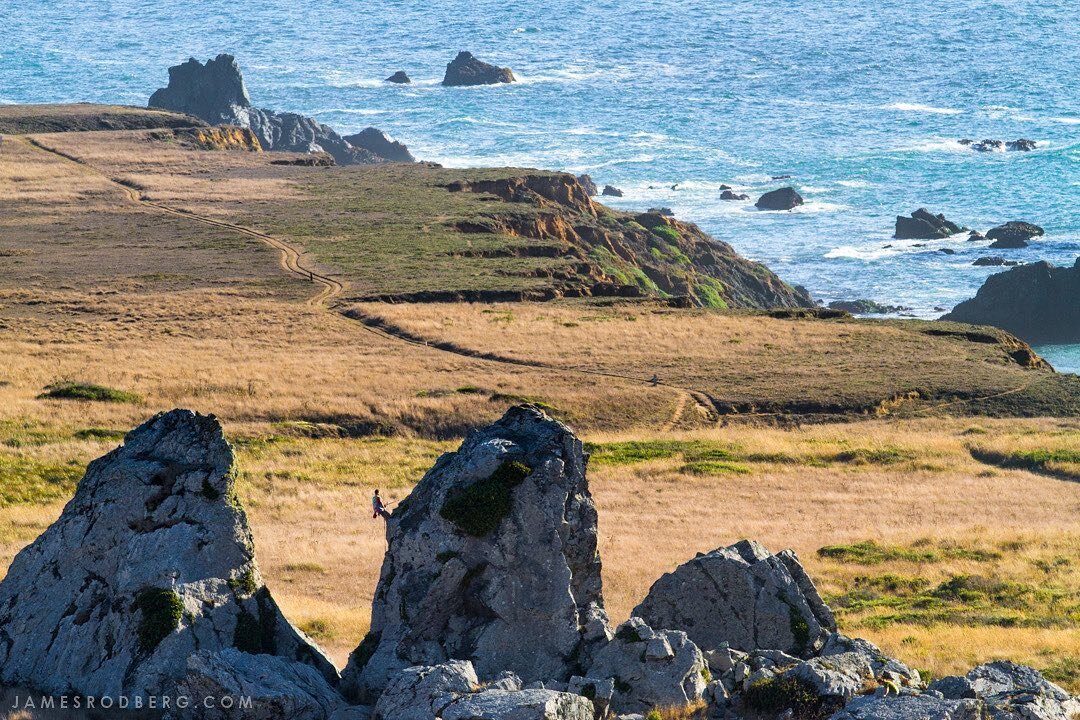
{"points": [[377, 507]]}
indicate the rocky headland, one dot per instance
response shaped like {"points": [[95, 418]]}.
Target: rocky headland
{"points": [[489, 606], [215, 93], [1037, 302]]}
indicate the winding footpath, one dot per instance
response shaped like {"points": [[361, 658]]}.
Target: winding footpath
{"points": [[292, 261]]}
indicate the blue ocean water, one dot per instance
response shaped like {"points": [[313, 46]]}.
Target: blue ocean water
{"points": [[861, 101]]}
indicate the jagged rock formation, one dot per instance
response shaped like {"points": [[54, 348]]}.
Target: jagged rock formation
{"points": [[742, 597], [924, 225], [151, 561], [623, 254], [650, 668], [1037, 302], [215, 92], [492, 558], [399, 78], [783, 199], [1014, 234], [998, 690], [465, 69], [376, 141], [589, 184]]}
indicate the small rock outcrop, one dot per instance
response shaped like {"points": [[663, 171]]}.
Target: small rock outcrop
{"points": [[988, 145], [492, 558], [215, 92], [1037, 302], [589, 184], [866, 307], [742, 597], [276, 688], [782, 199], [924, 225], [399, 78], [994, 261], [150, 562], [1014, 234], [465, 69], [650, 668], [535, 704], [376, 141], [729, 195], [612, 191]]}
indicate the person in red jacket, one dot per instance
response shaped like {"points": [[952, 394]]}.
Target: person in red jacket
{"points": [[377, 507]]}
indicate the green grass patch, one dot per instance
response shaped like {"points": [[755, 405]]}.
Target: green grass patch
{"points": [[875, 456], [161, 611], [479, 508], [26, 481], [710, 292], [714, 467], [88, 392], [869, 552], [1062, 463], [318, 629], [636, 451], [667, 233], [98, 433], [305, 567], [1064, 670]]}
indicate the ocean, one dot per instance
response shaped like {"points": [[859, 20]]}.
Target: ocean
{"points": [[862, 102]]}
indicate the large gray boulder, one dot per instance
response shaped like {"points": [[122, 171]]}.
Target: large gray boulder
{"points": [[650, 668], [234, 685], [519, 705], [1010, 690], [924, 225], [492, 558], [742, 597], [150, 562], [423, 692], [880, 706], [215, 92]]}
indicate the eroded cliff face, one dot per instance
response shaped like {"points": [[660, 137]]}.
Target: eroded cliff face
{"points": [[613, 253]]}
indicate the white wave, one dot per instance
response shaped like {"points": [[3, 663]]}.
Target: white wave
{"points": [[350, 111], [917, 107], [636, 159], [850, 252], [855, 183], [1066, 120], [936, 145], [812, 189], [816, 206]]}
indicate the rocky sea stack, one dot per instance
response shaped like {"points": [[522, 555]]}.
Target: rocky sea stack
{"points": [[466, 69], [215, 92], [1036, 302]]}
